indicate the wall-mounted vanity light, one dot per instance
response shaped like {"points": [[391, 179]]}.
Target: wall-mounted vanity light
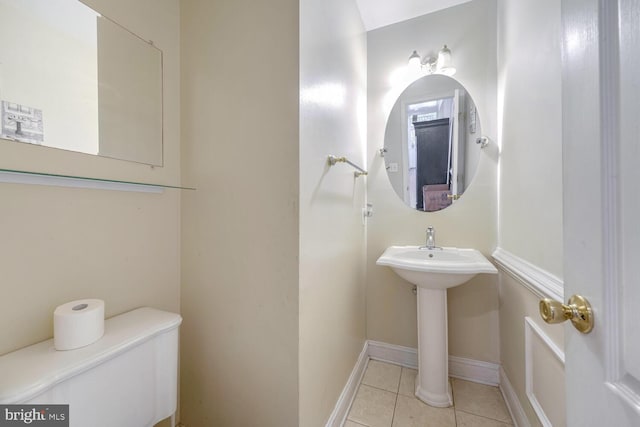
{"points": [[440, 65]]}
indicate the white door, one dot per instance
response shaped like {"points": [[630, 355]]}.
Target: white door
{"points": [[601, 161]]}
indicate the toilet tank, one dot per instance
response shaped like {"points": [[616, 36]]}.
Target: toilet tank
{"points": [[127, 379]]}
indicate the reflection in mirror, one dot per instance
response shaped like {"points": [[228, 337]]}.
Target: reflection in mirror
{"points": [[75, 80], [430, 146]]}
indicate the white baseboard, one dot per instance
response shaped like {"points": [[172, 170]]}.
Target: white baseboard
{"points": [[467, 369], [397, 354], [459, 367], [474, 370], [513, 403], [340, 411]]}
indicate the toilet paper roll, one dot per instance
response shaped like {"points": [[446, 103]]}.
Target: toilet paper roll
{"points": [[78, 323]]}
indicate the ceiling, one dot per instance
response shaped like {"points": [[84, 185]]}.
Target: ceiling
{"points": [[379, 13]]}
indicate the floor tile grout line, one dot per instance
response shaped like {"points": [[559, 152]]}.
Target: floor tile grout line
{"points": [[510, 422], [382, 389], [455, 416], [383, 363], [453, 403], [486, 418], [453, 394], [397, 394], [377, 388], [394, 410]]}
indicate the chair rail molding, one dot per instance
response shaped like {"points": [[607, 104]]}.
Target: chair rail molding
{"points": [[539, 281]]}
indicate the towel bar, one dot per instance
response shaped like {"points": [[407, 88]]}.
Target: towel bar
{"points": [[334, 159]]}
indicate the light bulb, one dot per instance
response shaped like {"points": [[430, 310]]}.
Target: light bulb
{"points": [[415, 63], [445, 64]]}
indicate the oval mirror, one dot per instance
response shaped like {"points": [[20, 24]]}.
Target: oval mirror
{"points": [[430, 146]]}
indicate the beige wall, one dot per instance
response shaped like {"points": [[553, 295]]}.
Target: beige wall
{"points": [[62, 244], [530, 103], [332, 234], [240, 234], [471, 222], [530, 182]]}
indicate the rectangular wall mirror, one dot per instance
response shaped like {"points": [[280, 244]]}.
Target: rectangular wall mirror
{"points": [[73, 79]]}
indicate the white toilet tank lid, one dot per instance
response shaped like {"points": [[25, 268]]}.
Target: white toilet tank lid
{"points": [[27, 372]]}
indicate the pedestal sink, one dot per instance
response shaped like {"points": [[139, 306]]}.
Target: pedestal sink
{"points": [[434, 271]]}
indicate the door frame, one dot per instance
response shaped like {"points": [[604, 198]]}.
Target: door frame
{"points": [[404, 117]]}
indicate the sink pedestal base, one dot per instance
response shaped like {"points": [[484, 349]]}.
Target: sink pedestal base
{"points": [[432, 382]]}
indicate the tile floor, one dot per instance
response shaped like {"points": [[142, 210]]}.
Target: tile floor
{"points": [[385, 399]]}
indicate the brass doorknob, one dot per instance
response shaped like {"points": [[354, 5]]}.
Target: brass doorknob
{"points": [[578, 310]]}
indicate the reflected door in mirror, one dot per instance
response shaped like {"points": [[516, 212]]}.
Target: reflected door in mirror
{"points": [[430, 150], [433, 156]]}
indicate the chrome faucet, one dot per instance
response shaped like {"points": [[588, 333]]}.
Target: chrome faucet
{"points": [[431, 238]]}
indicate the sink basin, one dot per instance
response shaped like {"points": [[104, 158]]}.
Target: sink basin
{"points": [[439, 268], [434, 271]]}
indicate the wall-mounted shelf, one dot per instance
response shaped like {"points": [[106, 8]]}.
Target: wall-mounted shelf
{"points": [[37, 178]]}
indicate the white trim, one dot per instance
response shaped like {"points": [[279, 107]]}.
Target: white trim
{"points": [[397, 354], [467, 369], [474, 370], [533, 326], [529, 327], [72, 182], [341, 410], [513, 403], [539, 281]]}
